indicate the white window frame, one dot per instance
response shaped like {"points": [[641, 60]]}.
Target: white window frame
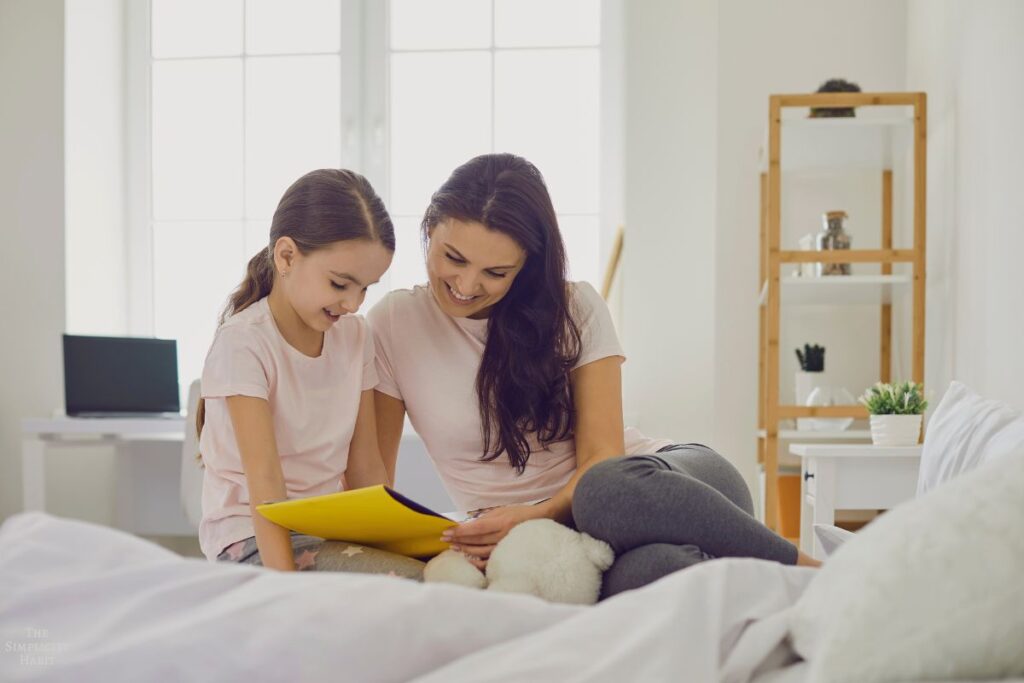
{"points": [[365, 131]]}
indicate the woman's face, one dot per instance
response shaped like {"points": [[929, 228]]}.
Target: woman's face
{"points": [[470, 267]]}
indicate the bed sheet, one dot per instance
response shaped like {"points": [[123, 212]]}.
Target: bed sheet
{"points": [[87, 602]]}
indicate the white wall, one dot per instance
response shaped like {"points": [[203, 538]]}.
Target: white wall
{"points": [[698, 79], [969, 57], [94, 149], [31, 223], [668, 269], [789, 46]]}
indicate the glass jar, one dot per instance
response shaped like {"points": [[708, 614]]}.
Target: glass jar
{"points": [[833, 235], [827, 395]]}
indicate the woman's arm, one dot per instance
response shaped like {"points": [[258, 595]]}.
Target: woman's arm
{"points": [[365, 467], [390, 415], [254, 433], [597, 395]]}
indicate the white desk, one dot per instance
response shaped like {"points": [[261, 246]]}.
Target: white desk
{"points": [[38, 433], [851, 477]]}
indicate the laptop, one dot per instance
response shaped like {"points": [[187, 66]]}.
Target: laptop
{"points": [[120, 377]]}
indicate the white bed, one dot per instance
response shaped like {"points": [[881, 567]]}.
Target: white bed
{"points": [[85, 602], [108, 606]]}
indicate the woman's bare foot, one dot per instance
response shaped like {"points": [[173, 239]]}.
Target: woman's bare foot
{"points": [[803, 560]]}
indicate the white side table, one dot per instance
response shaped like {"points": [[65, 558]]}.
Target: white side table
{"points": [[851, 477]]}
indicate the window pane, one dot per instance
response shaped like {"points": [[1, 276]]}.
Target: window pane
{"points": [[292, 119], [440, 118], [197, 139], [296, 26], [546, 109], [407, 269], [196, 28], [195, 267], [582, 238], [440, 24], [565, 23]]}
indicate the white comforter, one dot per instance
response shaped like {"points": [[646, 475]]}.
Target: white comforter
{"points": [[84, 602]]}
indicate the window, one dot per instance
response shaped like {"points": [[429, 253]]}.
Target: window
{"points": [[246, 96], [232, 100], [469, 77]]}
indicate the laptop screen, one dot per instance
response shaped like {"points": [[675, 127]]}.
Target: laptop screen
{"points": [[120, 375]]}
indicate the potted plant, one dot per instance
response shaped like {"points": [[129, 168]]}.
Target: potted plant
{"points": [[896, 412]]}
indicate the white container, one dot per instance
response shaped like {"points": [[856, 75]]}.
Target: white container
{"points": [[895, 430], [815, 389], [828, 395], [803, 384]]}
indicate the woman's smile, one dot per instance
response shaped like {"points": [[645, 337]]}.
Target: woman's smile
{"points": [[457, 298]]}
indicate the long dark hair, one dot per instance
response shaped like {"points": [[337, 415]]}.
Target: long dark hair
{"points": [[320, 208], [533, 342]]}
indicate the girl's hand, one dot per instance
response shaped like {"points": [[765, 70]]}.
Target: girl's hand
{"points": [[476, 539]]}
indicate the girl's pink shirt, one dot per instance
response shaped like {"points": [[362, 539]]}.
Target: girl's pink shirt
{"points": [[314, 403]]}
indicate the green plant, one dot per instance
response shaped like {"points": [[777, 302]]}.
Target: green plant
{"points": [[901, 398]]}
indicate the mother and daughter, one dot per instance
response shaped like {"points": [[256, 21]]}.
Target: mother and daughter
{"points": [[510, 373]]}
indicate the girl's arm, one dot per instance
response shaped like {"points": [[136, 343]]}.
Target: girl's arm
{"points": [[390, 414], [254, 432], [597, 394], [365, 467]]}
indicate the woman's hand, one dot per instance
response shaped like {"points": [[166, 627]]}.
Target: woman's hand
{"points": [[476, 539]]}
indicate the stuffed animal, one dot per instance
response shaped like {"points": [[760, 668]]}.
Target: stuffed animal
{"points": [[540, 557]]}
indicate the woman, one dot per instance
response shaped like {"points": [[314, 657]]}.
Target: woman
{"points": [[511, 375]]}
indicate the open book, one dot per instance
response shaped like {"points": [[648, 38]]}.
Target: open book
{"points": [[376, 516]]}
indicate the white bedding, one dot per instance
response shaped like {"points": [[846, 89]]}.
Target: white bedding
{"points": [[91, 603]]}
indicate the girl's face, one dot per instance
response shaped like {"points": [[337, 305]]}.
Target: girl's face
{"points": [[329, 282], [470, 267]]}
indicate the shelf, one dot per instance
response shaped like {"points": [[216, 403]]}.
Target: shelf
{"points": [[857, 143], [820, 435], [838, 290], [810, 450], [886, 140]]}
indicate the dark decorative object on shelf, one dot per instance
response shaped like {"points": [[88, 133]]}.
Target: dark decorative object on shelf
{"points": [[812, 359], [835, 85]]}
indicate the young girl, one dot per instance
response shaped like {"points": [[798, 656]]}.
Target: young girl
{"points": [[287, 400]]}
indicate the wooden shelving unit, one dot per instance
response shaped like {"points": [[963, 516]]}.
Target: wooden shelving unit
{"points": [[862, 142]]}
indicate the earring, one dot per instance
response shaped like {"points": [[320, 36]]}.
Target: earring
{"points": [[284, 273]]}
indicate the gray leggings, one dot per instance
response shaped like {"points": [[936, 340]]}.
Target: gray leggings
{"points": [[665, 512]]}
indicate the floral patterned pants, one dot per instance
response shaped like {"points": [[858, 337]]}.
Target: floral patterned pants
{"points": [[316, 554]]}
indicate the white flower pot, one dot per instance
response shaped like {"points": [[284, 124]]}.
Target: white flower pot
{"points": [[895, 430]]}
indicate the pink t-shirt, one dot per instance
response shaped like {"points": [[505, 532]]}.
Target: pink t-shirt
{"points": [[429, 360], [314, 403]]}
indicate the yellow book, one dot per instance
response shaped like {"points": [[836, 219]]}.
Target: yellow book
{"points": [[376, 516]]}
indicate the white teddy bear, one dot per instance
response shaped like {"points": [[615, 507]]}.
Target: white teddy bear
{"points": [[540, 557]]}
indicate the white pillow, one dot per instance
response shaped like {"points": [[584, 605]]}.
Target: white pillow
{"points": [[965, 431], [932, 590], [831, 537]]}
